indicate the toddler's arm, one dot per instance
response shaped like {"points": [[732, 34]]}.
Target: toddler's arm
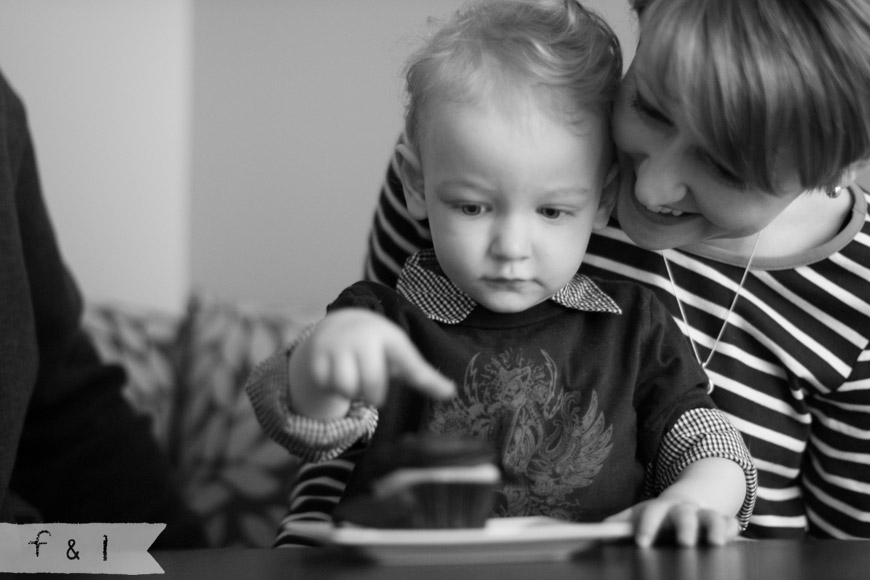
{"points": [[700, 505], [351, 356], [704, 482]]}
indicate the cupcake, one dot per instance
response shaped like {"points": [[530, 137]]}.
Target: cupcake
{"points": [[428, 481]]}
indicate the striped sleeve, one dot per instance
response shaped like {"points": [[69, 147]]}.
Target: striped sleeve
{"points": [[314, 494], [395, 235], [699, 434]]}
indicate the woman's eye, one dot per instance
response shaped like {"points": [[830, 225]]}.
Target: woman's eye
{"points": [[722, 173], [644, 109], [731, 179]]}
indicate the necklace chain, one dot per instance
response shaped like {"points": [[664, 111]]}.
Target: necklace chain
{"points": [[727, 316]]}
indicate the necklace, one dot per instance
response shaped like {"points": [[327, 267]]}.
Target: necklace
{"points": [[727, 316]]}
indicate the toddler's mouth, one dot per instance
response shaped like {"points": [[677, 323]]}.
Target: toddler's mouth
{"points": [[510, 283]]}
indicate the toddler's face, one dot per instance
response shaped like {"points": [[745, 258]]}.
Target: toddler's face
{"points": [[512, 197]]}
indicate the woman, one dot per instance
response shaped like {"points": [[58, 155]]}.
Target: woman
{"points": [[742, 125]]}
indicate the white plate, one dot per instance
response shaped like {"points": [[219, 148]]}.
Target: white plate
{"points": [[501, 540]]}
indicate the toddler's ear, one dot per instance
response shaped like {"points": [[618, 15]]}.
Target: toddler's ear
{"points": [[411, 174], [608, 197]]}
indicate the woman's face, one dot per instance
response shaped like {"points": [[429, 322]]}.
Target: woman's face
{"points": [[673, 192]]}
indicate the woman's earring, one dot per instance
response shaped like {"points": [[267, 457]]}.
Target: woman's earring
{"points": [[833, 191]]}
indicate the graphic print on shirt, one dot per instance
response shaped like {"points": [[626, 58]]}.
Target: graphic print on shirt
{"points": [[551, 444]]}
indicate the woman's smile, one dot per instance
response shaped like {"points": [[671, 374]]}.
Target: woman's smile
{"points": [[666, 211], [661, 214]]}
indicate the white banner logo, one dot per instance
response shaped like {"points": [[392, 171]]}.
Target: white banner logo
{"points": [[73, 548]]}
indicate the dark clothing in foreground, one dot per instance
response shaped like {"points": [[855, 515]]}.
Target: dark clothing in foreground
{"points": [[72, 450]]}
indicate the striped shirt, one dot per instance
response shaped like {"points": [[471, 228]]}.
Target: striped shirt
{"points": [[792, 370]]}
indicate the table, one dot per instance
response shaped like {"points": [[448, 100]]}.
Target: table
{"points": [[761, 560]]}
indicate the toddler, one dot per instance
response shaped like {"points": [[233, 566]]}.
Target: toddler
{"points": [[586, 386]]}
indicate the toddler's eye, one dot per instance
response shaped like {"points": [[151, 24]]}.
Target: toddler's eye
{"points": [[470, 209], [551, 212]]}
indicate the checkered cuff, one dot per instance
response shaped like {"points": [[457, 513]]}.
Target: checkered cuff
{"points": [[309, 439], [701, 433]]}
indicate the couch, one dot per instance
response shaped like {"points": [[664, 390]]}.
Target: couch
{"points": [[187, 373]]}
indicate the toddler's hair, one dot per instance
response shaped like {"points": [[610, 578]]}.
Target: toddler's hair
{"points": [[766, 82], [559, 54]]}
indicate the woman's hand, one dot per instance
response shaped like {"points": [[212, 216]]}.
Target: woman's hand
{"points": [[352, 355]]}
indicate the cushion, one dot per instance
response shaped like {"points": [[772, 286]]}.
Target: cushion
{"points": [[143, 342], [235, 475]]}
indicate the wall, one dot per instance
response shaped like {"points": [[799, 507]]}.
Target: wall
{"points": [[107, 88], [232, 146], [297, 106], [229, 146]]}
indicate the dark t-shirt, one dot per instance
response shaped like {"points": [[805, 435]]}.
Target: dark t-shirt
{"points": [[577, 402]]}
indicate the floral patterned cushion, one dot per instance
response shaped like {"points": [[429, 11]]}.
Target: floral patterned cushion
{"points": [[188, 374], [235, 475], [143, 342]]}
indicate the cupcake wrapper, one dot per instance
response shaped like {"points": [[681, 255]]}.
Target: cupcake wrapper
{"points": [[451, 505]]}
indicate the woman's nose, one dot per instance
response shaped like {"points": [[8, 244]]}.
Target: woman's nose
{"points": [[659, 180]]}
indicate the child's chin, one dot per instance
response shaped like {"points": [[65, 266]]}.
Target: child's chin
{"points": [[509, 305]]}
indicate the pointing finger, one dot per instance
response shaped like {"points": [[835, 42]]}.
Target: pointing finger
{"points": [[406, 363]]}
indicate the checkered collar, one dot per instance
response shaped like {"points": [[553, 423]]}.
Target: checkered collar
{"points": [[424, 284]]}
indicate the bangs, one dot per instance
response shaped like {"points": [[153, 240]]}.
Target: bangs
{"points": [[745, 88]]}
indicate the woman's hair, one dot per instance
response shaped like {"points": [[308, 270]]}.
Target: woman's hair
{"points": [[766, 82], [561, 55]]}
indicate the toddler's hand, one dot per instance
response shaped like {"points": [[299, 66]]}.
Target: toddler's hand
{"points": [[352, 355], [689, 522]]}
